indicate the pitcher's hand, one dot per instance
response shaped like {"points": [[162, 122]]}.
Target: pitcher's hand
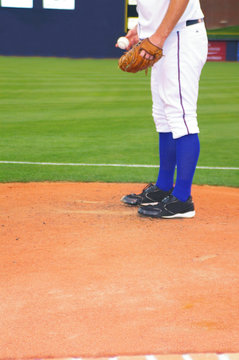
{"points": [[132, 36]]}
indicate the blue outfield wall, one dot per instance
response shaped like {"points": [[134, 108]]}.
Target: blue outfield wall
{"points": [[88, 31], [231, 52]]}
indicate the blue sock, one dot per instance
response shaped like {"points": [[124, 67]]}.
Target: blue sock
{"points": [[167, 156], [188, 149]]}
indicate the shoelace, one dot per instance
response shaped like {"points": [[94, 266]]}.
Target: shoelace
{"points": [[146, 187], [166, 199]]}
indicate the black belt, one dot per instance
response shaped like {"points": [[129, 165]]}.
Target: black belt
{"points": [[193, 22]]}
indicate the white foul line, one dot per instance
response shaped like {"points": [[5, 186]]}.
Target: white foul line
{"points": [[109, 165]]}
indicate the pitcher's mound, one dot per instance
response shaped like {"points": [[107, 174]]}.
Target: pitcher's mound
{"points": [[82, 275]]}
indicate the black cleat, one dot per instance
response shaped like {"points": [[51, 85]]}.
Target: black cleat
{"points": [[151, 195], [169, 208]]}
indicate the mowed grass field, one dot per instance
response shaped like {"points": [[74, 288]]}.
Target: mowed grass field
{"points": [[88, 111], [229, 32]]}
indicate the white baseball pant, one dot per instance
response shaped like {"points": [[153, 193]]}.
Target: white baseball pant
{"points": [[175, 81]]}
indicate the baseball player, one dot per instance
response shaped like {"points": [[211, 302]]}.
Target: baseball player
{"points": [[176, 27]]}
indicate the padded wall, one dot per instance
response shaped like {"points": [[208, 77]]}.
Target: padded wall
{"points": [[88, 31]]}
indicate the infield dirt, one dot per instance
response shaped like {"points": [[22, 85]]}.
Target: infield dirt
{"points": [[83, 275]]}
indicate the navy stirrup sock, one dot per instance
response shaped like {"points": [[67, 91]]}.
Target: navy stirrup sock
{"points": [[187, 149], [185, 152], [167, 156]]}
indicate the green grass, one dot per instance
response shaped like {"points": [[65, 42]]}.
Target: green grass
{"points": [[88, 111], [226, 33]]}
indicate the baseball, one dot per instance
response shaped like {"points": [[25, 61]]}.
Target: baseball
{"points": [[123, 42]]}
